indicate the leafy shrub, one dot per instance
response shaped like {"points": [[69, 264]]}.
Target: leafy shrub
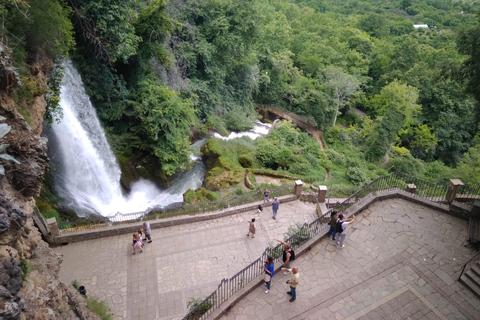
{"points": [[238, 121], [301, 235], [194, 302], [333, 134], [100, 307], [407, 164], [267, 155], [356, 176], [299, 165], [75, 284], [217, 124], [335, 157], [239, 191], [274, 250]]}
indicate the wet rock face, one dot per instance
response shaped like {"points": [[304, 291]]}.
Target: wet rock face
{"points": [[9, 78], [28, 175], [12, 221], [11, 218]]}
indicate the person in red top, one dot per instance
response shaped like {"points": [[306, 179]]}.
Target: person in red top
{"points": [[265, 199]]}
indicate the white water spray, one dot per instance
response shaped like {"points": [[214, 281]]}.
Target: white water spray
{"points": [[89, 174]]}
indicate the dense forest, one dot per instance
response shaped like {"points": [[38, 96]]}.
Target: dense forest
{"points": [[387, 95]]}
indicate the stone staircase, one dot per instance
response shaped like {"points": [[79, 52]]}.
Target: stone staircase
{"points": [[471, 278]]}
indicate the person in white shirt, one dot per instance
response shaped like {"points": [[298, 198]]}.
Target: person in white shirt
{"points": [[343, 234]]}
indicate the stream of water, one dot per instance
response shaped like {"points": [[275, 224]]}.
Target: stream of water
{"points": [[87, 175]]}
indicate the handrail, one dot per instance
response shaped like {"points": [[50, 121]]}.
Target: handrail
{"points": [[228, 287], [465, 265]]}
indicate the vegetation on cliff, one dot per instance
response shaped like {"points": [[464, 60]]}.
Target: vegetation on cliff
{"points": [[155, 68]]}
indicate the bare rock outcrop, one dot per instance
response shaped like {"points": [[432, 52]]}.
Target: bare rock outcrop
{"points": [[40, 294]]}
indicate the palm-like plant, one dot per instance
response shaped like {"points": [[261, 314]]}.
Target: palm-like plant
{"points": [[4, 129]]}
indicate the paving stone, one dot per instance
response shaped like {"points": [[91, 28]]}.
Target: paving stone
{"points": [[399, 255]]}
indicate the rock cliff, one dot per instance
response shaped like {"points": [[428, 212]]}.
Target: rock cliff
{"points": [[40, 294]]}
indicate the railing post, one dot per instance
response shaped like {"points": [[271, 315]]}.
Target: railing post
{"points": [[452, 189], [298, 188], [53, 227], [475, 212], [322, 194]]}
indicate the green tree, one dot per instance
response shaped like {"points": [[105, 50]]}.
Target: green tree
{"points": [[468, 169], [164, 123], [469, 44], [37, 26], [381, 139], [400, 97], [106, 26], [342, 85], [375, 25]]}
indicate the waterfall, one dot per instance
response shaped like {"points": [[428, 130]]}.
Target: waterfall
{"points": [[88, 177]]}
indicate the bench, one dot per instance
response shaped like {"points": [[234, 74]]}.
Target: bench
{"points": [[474, 232]]}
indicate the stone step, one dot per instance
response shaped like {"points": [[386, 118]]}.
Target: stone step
{"points": [[474, 277], [471, 285], [476, 268]]}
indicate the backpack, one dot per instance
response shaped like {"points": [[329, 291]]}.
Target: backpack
{"points": [[339, 227]]}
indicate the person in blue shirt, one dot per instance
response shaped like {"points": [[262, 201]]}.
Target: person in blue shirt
{"points": [[269, 272]]}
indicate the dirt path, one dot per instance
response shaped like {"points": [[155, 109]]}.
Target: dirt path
{"points": [[317, 134]]}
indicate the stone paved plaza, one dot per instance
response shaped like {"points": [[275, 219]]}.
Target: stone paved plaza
{"points": [[400, 261], [183, 262]]}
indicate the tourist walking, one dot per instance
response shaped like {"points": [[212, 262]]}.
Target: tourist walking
{"points": [[265, 196], [333, 224], [275, 205], [140, 236], [269, 272], [292, 282], [137, 243], [147, 230], [288, 255], [343, 227], [251, 228]]}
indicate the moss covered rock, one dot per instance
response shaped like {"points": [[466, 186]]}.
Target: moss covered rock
{"points": [[199, 195]]}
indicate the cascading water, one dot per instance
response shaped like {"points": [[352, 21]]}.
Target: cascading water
{"points": [[88, 176]]}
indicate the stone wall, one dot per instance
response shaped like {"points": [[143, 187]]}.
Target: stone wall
{"points": [[106, 230]]}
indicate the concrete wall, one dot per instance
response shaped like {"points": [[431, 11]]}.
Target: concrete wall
{"points": [[105, 230]]}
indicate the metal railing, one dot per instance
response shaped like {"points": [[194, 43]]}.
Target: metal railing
{"points": [[228, 287], [96, 221], [465, 265], [468, 193]]}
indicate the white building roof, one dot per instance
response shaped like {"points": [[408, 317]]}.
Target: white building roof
{"points": [[416, 26]]}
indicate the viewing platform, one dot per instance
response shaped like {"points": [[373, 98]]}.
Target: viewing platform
{"points": [[402, 250]]}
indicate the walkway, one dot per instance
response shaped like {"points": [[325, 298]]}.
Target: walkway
{"points": [[183, 262], [400, 261]]}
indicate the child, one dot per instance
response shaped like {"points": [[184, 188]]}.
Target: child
{"points": [[137, 243], [141, 236], [260, 208], [251, 228]]}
